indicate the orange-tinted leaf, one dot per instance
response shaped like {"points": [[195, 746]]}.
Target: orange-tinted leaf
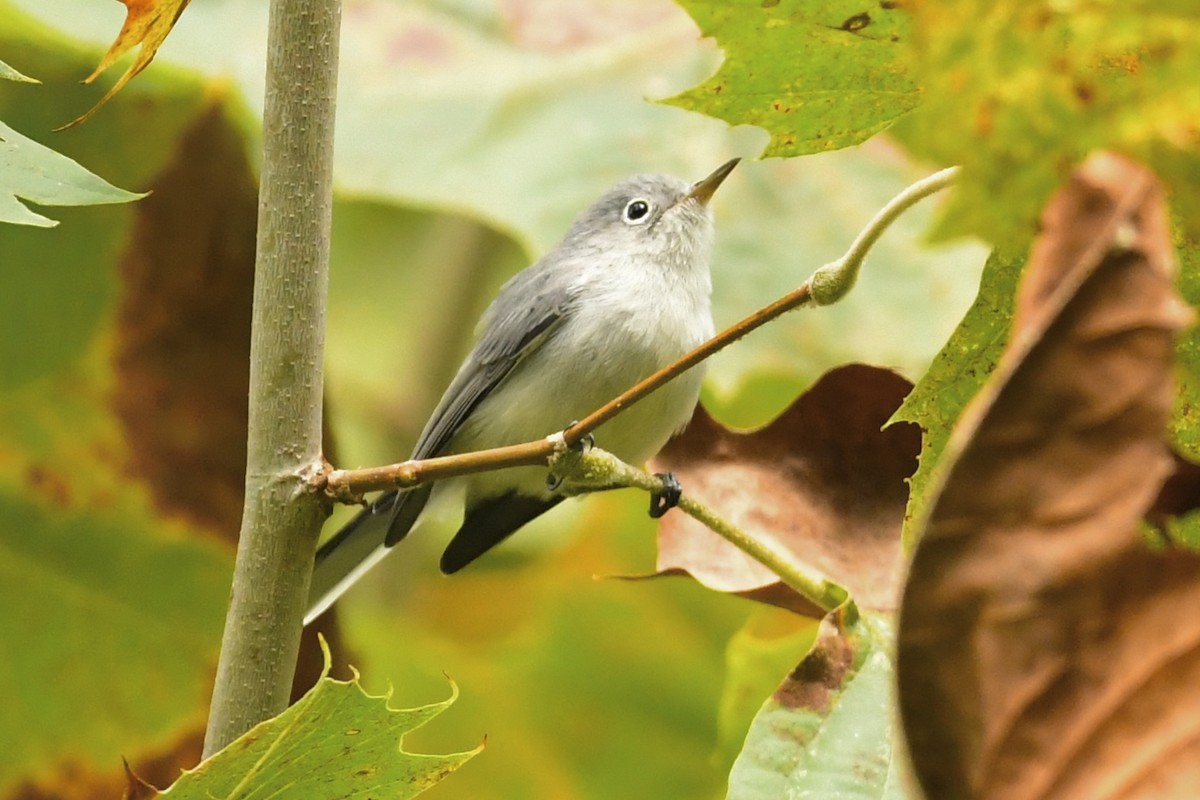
{"points": [[1044, 650], [822, 483], [147, 22]]}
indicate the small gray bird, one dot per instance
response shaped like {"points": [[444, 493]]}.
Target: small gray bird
{"points": [[625, 293]]}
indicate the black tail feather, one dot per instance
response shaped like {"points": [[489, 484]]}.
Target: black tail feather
{"points": [[489, 522], [405, 507], [361, 542]]}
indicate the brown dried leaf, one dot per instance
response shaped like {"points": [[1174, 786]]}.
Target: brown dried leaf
{"points": [[822, 483], [1042, 648], [82, 780], [147, 22], [182, 343], [136, 788]]}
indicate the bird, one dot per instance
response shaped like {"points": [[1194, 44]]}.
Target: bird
{"points": [[624, 293]]}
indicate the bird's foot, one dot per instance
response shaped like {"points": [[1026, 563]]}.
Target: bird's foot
{"points": [[668, 498], [584, 444]]}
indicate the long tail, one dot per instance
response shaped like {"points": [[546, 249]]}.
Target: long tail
{"points": [[359, 545]]}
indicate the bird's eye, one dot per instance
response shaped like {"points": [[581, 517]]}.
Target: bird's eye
{"points": [[637, 211]]}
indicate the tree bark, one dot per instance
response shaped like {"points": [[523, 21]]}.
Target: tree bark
{"points": [[281, 518]]}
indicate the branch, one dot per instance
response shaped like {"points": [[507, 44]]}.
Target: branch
{"points": [[827, 285], [280, 519], [833, 281], [596, 470]]}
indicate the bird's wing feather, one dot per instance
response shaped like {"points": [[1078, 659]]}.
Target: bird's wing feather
{"points": [[510, 332]]}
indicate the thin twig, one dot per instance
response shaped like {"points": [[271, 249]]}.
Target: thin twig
{"points": [[598, 470], [827, 285], [809, 584], [831, 282]]}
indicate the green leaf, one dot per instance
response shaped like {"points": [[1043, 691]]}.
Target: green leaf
{"points": [[36, 173], [8, 73], [1017, 93], [956, 374], [91, 581], [112, 613], [817, 76], [1185, 418], [335, 742], [766, 647], [829, 730], [1185, 530]]}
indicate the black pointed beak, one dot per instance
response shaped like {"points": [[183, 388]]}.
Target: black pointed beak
{"points": [[704, 190]]}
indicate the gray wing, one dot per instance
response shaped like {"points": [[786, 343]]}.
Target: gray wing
{"points": [[519, 321], [525, 314]]}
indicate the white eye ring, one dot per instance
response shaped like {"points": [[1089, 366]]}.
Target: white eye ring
{"points": [[637, 211]]}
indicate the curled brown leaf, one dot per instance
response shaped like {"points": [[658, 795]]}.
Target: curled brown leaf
{"points": [[1044, 650]]}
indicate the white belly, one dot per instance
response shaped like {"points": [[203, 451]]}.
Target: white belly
{"points": [[585, 364]]}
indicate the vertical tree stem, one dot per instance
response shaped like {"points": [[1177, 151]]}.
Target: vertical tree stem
{"points": [[281, 519]]}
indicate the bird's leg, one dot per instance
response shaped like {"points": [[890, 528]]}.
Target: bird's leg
{"points": [[668, 498]]}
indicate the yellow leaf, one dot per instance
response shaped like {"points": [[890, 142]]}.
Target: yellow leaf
{"points": [[147, 22]]}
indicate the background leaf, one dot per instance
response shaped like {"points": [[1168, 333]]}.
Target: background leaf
{"points": [[10, 74], [29, 171], [147, 23], [821, 484], [817, 76], [1185, 417], [489, 89], [86, 592], [955, 376], [1019, 92], [549, 658], [113, 596]]}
